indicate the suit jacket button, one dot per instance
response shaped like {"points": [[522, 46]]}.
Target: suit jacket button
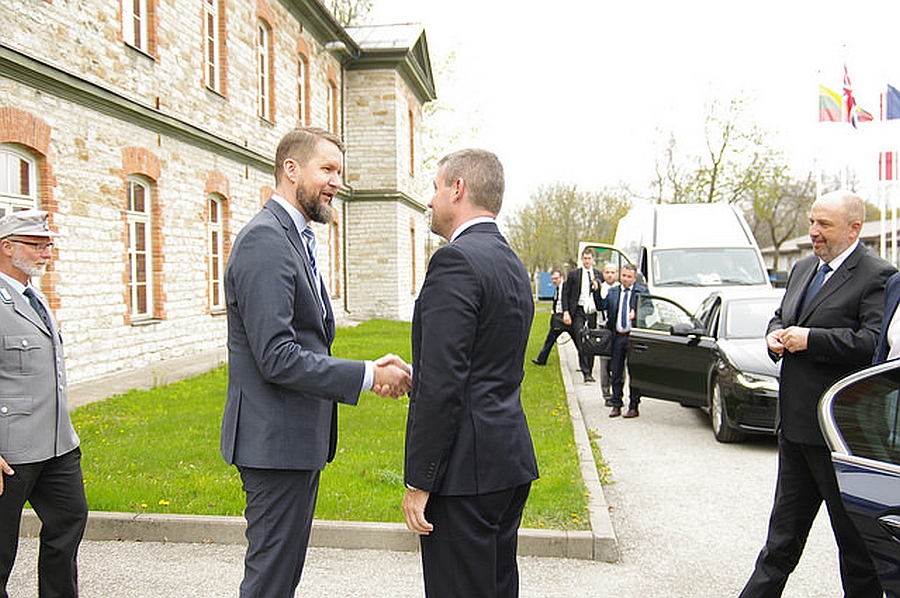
{"points": [[24, 342], [4, 409]]}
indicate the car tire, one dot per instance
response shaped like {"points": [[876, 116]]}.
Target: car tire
{"points": [[723, 431]]}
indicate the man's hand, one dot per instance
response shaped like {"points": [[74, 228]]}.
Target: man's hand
{"points": [[773, 341], [567, 318], [392, 377], [414, 502], [795, 338], [5, 469]]}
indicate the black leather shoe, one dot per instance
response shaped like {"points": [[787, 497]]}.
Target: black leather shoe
{"points": [[615, 412], [536, 362], [588, 379], [609, 403], [631, 413]]}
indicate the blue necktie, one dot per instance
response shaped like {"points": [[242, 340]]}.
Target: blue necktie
{"points": [[624, 307], [814, 286], [38, 307], [310, 238]]}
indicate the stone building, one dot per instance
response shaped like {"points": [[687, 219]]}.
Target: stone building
{"points": [[147, 128]]}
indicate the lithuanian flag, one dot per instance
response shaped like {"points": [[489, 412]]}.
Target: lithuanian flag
{"points": [[829, 105]]}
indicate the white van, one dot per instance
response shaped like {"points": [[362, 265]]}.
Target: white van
{"points": [[686, 251]]}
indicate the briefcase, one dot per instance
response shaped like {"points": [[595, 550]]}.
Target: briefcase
{"points": [[596, 341], [556, 323]]}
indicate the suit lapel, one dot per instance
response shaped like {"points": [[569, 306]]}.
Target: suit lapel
{"points": [[293, 236], [805, 270], [23, 308], [838, 278]]}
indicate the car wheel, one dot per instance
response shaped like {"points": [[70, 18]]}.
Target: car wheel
{"points": [[722, 430]]}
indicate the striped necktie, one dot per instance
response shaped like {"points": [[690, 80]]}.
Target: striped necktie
{"points": [[309, 237]]}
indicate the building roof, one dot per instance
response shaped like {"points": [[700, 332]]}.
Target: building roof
{"points": [[401, 47], [401, 36]]}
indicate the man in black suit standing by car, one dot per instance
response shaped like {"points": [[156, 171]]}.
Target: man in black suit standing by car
{"points": [[619, 305], [580, 306], [469, 456], [826, 327]]}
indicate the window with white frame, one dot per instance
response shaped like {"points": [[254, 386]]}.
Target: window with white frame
{"points": [[263, 50], [211, 45], [216, 257], [18, 180], [135, 18], [140, 248], [302, 84]]}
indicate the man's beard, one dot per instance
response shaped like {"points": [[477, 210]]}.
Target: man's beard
{"points": [[31, 268], [314, 209]]}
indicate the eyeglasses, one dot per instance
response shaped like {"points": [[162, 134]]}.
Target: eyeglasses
{"points": [[39, 247]]}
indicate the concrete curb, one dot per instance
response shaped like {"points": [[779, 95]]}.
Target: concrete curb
{"points": [[605, 546], [598, 544]]}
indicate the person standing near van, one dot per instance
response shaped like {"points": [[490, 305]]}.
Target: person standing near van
{"points": [[610, 280], [619, 305], [580, 301]]}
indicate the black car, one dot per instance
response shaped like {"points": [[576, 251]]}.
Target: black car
{"points": [[860, 418], [715, 359]]}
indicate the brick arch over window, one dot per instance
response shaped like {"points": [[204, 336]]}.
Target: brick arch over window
{"points": [[33, 134], [138, 161]]}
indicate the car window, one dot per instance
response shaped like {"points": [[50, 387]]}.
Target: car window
{"points": [[749, 318], [867, 415], [707, 267], [657, 313]]}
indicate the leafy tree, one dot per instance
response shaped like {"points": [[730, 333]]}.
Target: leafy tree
{"points": [[779, 208], [546, 231], [730, 165]]}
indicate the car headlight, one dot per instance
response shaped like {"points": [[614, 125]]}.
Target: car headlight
{"points": [[757, 382]]}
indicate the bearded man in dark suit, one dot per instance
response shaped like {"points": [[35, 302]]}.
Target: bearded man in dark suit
{"points": [[280, 422], [469, 456], [821, 332]]}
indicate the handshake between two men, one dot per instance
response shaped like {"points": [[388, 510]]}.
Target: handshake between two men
{"points": [[393, 377]]}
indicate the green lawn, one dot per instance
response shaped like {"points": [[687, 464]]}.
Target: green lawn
{"points": [[158, 451]]}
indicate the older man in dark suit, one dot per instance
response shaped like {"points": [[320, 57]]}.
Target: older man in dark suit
{"points": [[469, 455], [826, 327], [280, 421]]}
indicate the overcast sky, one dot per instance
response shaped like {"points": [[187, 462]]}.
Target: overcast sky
{"points": [[587, 92]]}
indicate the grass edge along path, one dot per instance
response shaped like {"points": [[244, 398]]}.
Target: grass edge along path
{"points": [[157, 451]]}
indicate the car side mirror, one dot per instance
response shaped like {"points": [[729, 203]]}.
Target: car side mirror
{"points": [[687, 330]]}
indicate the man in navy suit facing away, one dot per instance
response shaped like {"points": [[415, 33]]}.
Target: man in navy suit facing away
{"points": [[469, 456]]}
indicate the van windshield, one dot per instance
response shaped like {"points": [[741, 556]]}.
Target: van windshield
{"points": [[707, 267]]}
